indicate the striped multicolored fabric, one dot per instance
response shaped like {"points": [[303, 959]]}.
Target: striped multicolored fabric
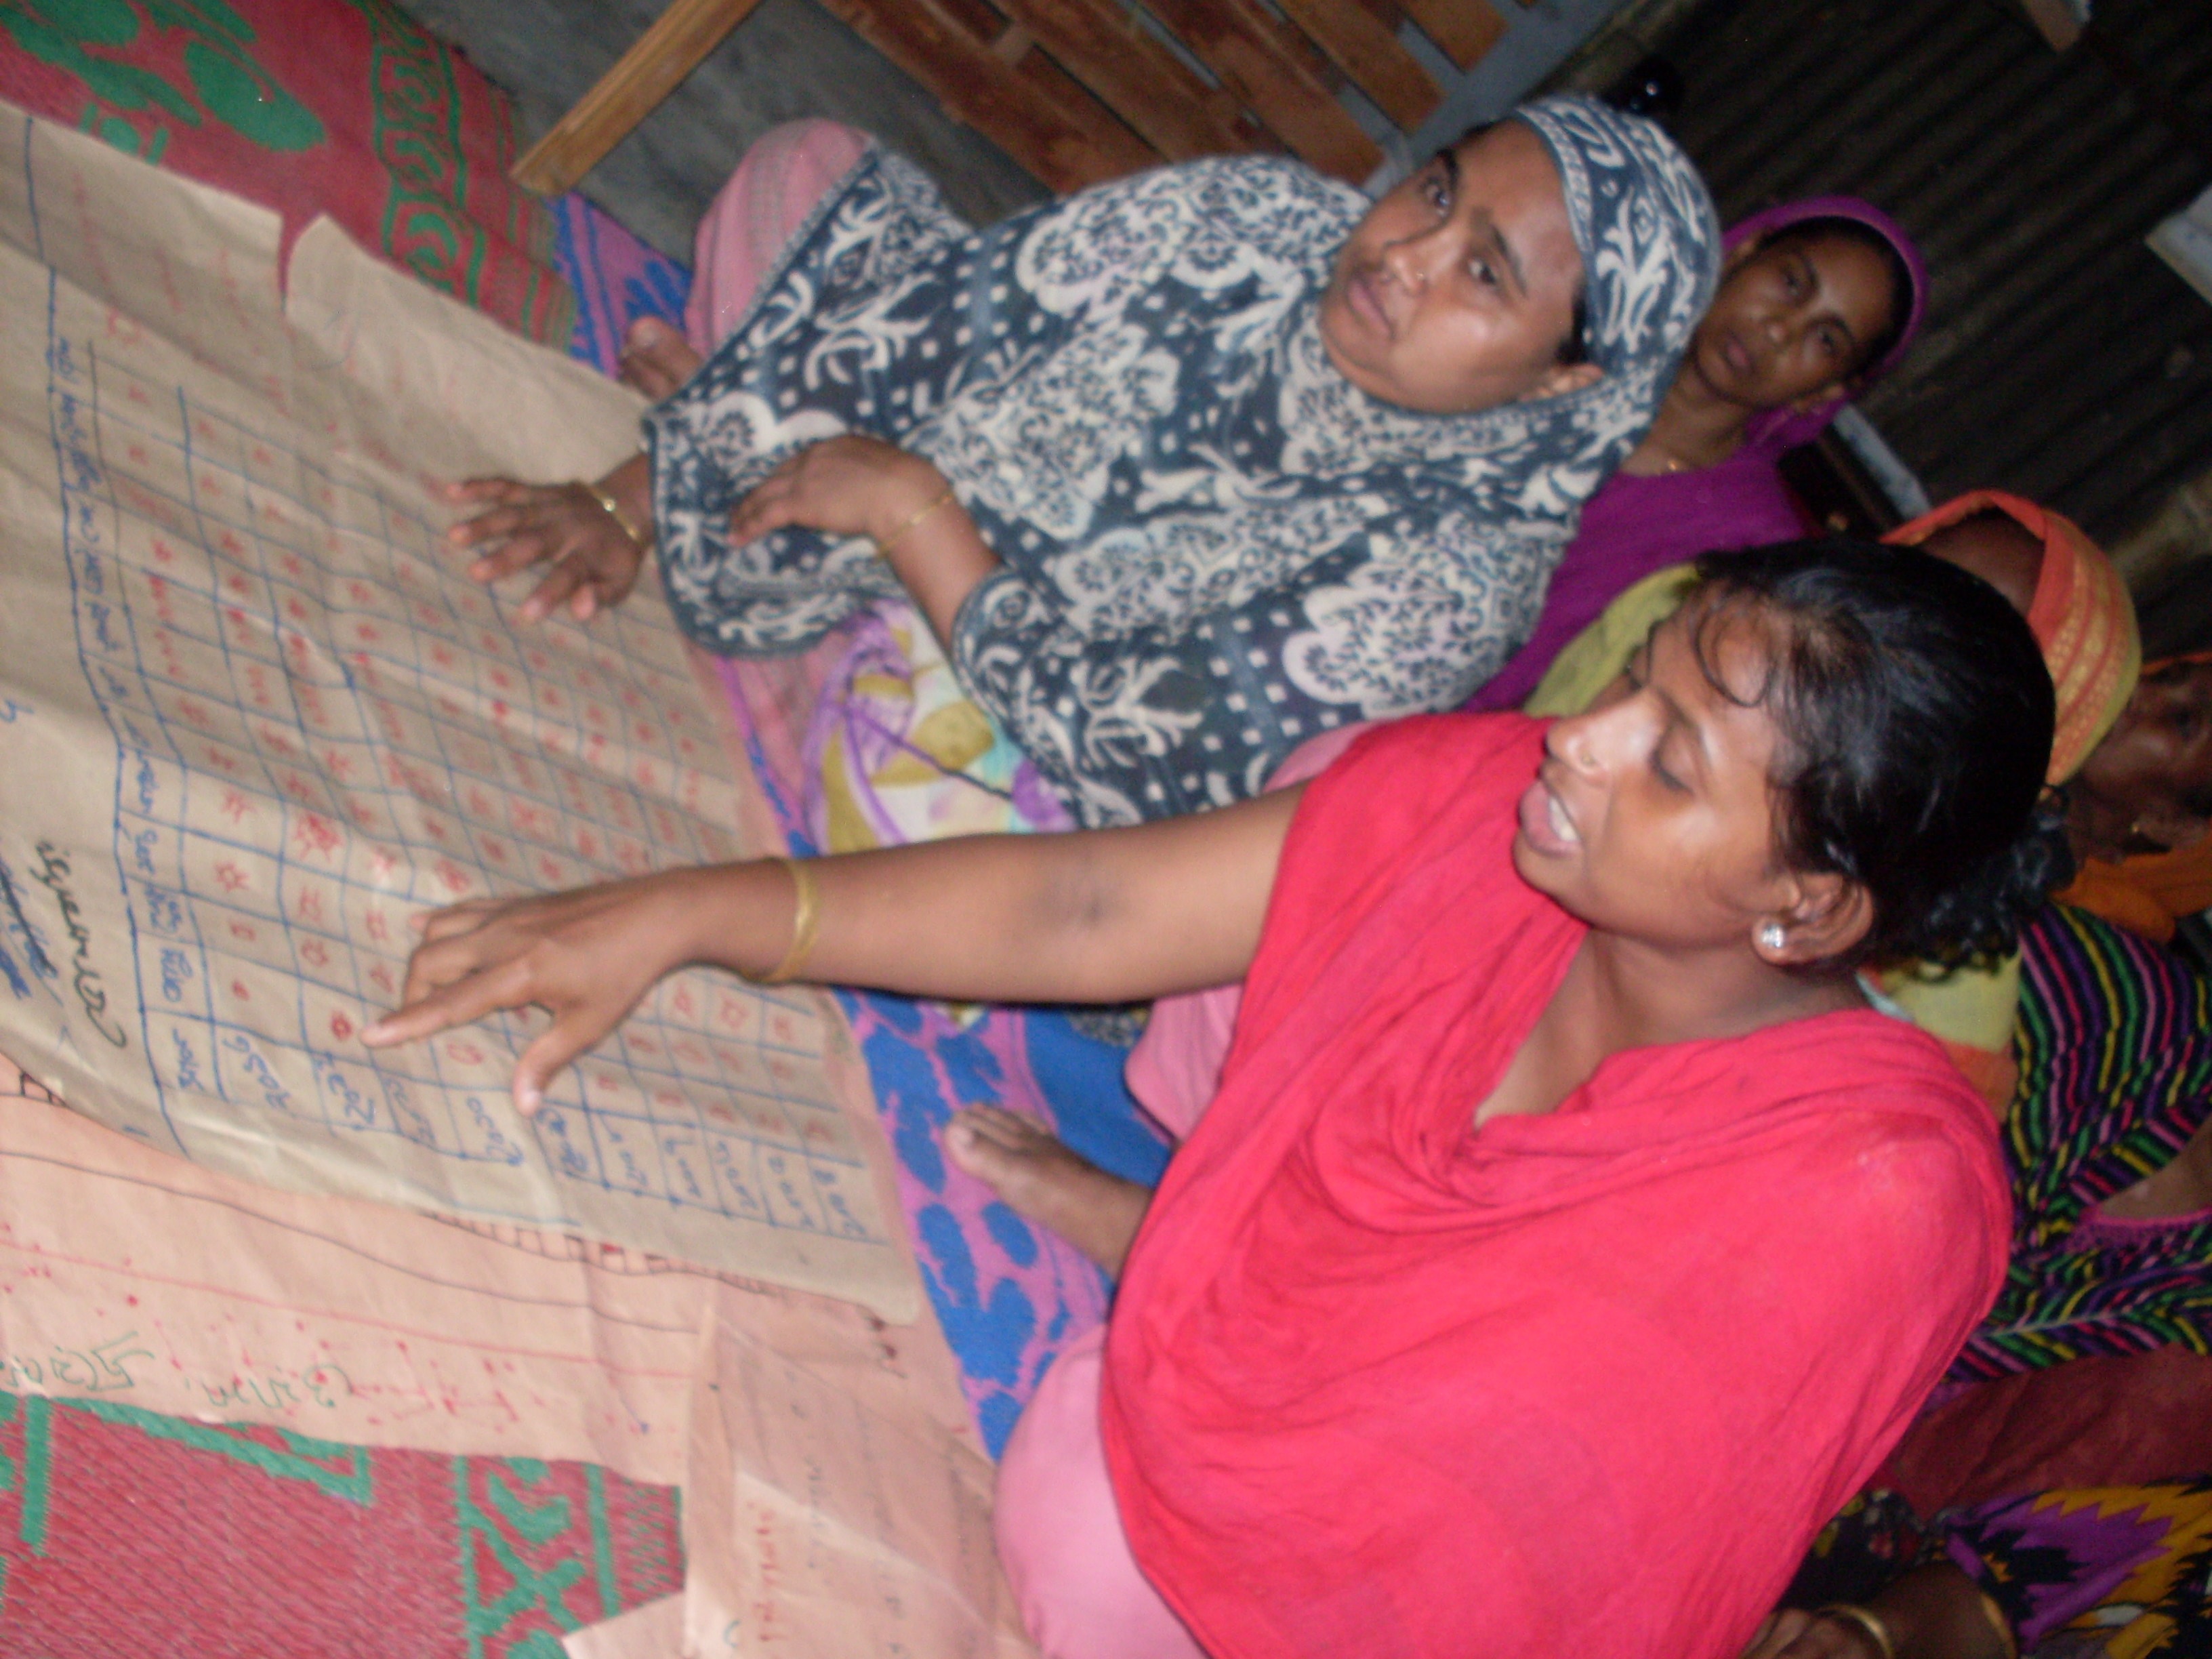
{"points": [[2114, 1051]]}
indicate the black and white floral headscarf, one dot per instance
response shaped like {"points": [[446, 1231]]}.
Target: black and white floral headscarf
{"points": [[1213, 545]]}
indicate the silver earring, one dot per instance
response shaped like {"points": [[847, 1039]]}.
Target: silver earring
{"points": [[1772, 937]]}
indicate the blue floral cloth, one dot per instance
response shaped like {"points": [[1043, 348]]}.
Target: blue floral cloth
{"points": [[1213, 544]]}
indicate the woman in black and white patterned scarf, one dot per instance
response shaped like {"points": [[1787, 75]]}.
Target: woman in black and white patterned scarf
{"points": [[1190, 466]]}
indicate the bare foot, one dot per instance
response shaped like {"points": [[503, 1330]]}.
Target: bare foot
{"points": [[1042, 1179], [656, 360]]}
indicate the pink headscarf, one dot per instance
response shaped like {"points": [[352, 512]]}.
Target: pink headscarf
{"points": [[1780, 430], [1633, 526]]}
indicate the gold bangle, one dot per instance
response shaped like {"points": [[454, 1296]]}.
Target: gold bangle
{"points": [[899, 535], [1996, 1615], [615, 511], [805, 921], [1866, 1620]]}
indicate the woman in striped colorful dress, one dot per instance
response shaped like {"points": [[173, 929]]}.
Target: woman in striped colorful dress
{"points": [[2111, 1157], [2110, 1152]]}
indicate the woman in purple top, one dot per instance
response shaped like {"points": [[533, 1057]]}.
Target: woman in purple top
{"points": [[1818, 300]]}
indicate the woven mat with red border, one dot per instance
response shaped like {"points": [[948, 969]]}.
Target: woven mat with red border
{"points": [[346, 107], [124, 1532]]}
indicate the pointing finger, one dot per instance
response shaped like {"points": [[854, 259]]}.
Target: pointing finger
{"points": [[458, 1004]]}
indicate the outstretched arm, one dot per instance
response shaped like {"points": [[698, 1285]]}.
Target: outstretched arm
{"points": [[1109, 915]]}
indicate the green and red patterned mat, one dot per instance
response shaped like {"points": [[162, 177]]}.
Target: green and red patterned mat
{"points": [[340, 106], [124, 1532]]}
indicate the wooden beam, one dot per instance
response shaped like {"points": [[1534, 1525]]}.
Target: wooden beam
{"points": [[1370, 56], [1064, 142], [655, 66], [1464, 30], [1133, 75], [2055, 20], [1274, 72]]}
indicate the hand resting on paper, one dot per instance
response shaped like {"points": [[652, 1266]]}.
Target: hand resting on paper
{"points": [[592, 559], [850, 485]]}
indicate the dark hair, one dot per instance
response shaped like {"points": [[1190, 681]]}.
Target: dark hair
{"points": [[1916, 717], [1834, 227], [1575, 347]]}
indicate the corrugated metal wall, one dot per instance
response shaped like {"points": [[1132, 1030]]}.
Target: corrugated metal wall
{"points": [[2063, 359]]}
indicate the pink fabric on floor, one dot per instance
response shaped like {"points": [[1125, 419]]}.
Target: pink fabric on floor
{"points": [[1008, 1297], [1059, 1535], [776, 184], [1176, 1064]]}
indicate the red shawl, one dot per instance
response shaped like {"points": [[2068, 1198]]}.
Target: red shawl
{"points": [[1584, 1383]]}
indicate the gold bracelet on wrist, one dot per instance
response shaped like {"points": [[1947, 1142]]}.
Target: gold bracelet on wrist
{"points": [[899, 535], [1864, 1620], [806, 920], [614, 511]]}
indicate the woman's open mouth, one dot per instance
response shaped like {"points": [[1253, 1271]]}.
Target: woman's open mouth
{"points": [[1365, 297], [1545, 823]]}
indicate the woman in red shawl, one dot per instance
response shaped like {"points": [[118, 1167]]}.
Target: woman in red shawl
{"points": [[1568, 1238]]}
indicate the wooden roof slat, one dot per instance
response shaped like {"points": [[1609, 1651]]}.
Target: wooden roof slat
{"points": [[1105, 47], [655, 66], [1370, 56], [1464, 30], [1276, 74], [1066, 142]]}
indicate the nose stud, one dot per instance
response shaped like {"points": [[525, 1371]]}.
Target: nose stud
{"points": [[1772, 938]]}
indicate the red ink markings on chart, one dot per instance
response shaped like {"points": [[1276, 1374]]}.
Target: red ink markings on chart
{"points": [[316, 835]]}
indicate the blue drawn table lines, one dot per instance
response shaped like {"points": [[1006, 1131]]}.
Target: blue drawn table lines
{"points": [[316, 725]]}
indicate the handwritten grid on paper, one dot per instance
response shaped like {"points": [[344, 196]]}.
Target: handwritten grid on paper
{"points": [[319, 730]]}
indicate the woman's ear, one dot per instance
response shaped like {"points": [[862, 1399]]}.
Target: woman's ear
{"points": [[1826, 917], [1561, 379]]}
